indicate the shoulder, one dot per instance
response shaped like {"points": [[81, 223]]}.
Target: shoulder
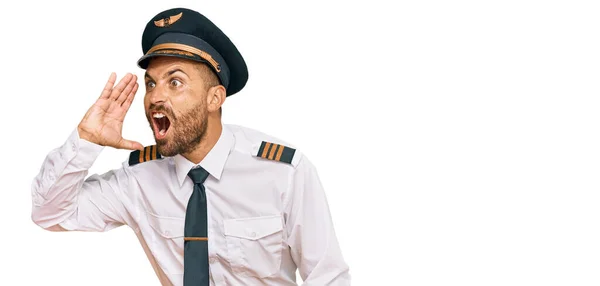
{"points": [[149, 153], [264, 147]]}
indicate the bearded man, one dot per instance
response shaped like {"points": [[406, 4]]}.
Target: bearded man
{"points": [[211, 203]]}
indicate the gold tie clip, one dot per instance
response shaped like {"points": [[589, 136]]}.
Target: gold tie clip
{"points": [[195, 238]]}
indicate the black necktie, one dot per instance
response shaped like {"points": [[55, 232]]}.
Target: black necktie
{"points": [[195, 255]]}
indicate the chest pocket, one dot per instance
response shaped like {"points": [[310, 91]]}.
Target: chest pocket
{"points": [[167, 241], [254, 245]]}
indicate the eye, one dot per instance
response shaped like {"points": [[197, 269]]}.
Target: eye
{"points": [[150, 84], [175, 83]]}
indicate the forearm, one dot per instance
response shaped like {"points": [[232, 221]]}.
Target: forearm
{"points": [[56, 188]]}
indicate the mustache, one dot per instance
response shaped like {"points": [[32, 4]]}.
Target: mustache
{"points": [[161, 108]]}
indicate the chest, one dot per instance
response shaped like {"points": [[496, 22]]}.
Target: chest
{"points": [[245, 220]]}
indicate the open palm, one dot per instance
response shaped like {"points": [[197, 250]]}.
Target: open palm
{"points": [[103, 122]]}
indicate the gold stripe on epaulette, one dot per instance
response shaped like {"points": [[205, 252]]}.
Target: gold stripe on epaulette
{"points": [[272, 153], [275, 152], [154, 152], [279, 152], [148, 151], [264, 153], [142, 155]]}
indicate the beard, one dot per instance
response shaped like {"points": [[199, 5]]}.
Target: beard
{"points": [[186, 130]]}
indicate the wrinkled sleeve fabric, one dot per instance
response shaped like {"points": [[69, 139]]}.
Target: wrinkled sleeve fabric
{"points": [[311, 235], [61, 194]]}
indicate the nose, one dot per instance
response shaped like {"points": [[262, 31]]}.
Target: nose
{"points": [[158, 95]]}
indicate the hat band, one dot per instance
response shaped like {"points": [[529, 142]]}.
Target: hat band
{"points": [[204, 55]]}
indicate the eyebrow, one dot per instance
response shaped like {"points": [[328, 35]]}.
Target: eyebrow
{"points": [[146, 75]]}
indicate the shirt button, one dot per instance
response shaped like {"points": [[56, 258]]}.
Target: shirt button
{"points": [[253, 234], [212, 260], [51, 178], [73, 147], [167, 233]]}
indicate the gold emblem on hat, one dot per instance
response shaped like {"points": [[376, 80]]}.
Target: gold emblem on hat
{"points": [[168, 21]]}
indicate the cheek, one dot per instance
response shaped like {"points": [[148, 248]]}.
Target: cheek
{"points": [[185, 101]]}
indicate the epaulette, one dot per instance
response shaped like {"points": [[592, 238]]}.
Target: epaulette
{"points": [[140, 156], [275, 152]]}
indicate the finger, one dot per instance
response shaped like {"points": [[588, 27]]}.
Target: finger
{"points": [[126, 91], [109, 85], [127, 103], [130, 145], [116, 91]]}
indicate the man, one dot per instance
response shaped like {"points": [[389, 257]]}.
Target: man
{"points": [[211, 203]]}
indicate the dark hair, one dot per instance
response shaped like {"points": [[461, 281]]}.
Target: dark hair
{"points": [[210, 78], [208, 74]]}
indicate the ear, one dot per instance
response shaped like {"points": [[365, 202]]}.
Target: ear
{"points": [[216, 98]]}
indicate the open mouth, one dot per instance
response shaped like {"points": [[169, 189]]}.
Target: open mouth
{"points": [[161, 125]]}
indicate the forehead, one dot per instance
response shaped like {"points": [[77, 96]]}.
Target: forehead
{"points": [[160, 65]]}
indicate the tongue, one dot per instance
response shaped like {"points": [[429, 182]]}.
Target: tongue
{"points": [[162, 125]]}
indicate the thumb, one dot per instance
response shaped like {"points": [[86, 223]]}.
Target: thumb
{"points": [[131, 145]]}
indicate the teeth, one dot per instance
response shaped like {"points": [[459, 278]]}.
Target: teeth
{"points": [[162, 132], [158, 115]]}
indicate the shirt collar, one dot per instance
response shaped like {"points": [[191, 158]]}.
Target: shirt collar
{"points": [[214, 162]]}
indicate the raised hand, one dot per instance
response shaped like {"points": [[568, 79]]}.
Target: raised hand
{"points": [[103, 122]]}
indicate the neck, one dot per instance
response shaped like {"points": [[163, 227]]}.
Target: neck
{"points": [[213, 132]]}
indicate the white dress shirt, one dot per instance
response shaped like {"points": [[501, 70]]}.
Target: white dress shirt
{"points": [[266, 218]]}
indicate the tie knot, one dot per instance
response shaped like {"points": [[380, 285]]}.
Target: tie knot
{"points": [[198, 175]]}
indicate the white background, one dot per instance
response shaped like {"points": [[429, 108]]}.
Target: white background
{"points": [[458, 141]]}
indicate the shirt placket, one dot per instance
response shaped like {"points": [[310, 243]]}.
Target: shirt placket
{"points": [[214, 246]]}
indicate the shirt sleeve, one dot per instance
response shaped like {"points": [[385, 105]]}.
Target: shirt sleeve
{"points": [[311, 236], [61, 194]]}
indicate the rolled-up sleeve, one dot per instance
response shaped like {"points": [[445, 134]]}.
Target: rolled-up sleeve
{"points": [[311, 236], [61, 194]]}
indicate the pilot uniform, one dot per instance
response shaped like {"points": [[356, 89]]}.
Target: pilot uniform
{"points": [[267, 214]]}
